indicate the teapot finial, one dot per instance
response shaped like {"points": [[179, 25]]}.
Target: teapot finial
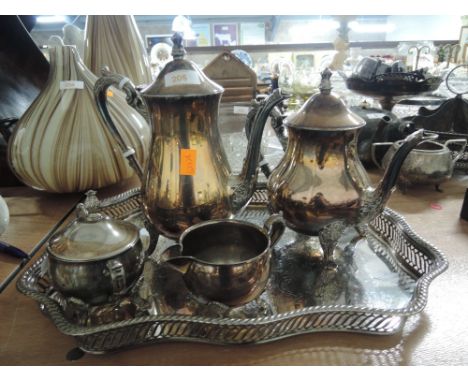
{"points": [[178, 50], [325, 84]]}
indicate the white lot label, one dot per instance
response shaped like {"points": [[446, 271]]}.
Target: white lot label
{"points": [[241, 110], [67, 85], [181, 77]]}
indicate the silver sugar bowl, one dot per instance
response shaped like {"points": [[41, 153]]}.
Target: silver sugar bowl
{"points": [[95, 258], [430, 163]]}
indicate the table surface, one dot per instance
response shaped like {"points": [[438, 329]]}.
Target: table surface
{"points": [[437, 336]]}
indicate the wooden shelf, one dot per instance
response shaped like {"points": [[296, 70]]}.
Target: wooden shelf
{"points": [[302, 47]]}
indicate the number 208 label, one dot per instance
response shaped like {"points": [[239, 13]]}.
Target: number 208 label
{"points": [[181, 77]]}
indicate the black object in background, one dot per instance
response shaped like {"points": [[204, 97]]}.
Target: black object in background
{"points": [[29, 21], [23, 74], [464, 210]]}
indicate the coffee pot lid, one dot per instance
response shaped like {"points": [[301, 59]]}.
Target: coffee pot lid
{"points": [[324, 111], [181, 77], [92, 236]]}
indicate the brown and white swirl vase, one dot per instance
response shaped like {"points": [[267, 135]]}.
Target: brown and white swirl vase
{"points": [[115, 42], [61, 144]]}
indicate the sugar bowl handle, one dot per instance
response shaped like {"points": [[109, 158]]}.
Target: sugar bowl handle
{"points": [[117, 275]]}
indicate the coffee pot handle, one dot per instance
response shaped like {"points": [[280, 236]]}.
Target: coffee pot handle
{"points": [[100, 96], [460, 142]]}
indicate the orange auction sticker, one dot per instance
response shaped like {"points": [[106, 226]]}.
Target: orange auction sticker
{"points": [[188, 161]]}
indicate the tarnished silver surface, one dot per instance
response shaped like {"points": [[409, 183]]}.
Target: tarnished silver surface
{"points": [[95, 258], [320, 180], [429, 163], [92, 235], [226, 260], [384, 278], [187, 178], [320, 186]]}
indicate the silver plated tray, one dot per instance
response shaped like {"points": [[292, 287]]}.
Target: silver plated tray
{"points": [[383, 278]]}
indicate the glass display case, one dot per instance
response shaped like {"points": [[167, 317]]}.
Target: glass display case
{"points": [[265, 35]]}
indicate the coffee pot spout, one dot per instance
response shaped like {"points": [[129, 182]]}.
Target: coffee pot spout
{"points": [[244, 184]]}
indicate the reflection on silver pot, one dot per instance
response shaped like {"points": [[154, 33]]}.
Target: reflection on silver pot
{"points": [[187, 178], [430, 163], [226, 260], [320, 185], [4, 215], [95, 258]]}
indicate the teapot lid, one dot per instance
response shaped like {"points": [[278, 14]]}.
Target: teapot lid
{"points": [[181, 78], [92, 236], [324, 111]]}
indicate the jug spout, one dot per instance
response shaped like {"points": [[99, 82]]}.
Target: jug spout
{"points": [[244, 184], [382, 192]]}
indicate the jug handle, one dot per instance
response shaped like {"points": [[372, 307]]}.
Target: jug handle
{"points": [[274, 226], [373, 156], [173, 258], [100, 96], [462, 142]]}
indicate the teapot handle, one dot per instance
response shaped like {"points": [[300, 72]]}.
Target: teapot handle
{"points": [[461, 142], [100, 96], [261, 110]]}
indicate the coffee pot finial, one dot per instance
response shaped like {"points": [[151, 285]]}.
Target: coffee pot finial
{"points": [[178, 50], [325, 84]]}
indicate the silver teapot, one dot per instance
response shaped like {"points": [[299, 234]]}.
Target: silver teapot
{"points": [[320, 185]]}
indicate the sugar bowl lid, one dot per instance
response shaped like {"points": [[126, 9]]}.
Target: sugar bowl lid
{"points": [[92, 236], [324, 111], [181, 77]]}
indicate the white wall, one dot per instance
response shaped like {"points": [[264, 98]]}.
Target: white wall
{"points": [[440, 27]]}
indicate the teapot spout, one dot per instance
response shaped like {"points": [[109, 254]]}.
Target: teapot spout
{"points": [[385, 187], [245, 183]]}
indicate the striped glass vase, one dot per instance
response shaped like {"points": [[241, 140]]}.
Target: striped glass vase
{"points": [[61, 144], [115, 42]]}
